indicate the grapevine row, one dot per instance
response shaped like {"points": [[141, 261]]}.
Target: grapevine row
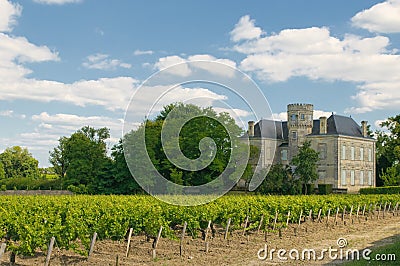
{"points": [[28, 222]]}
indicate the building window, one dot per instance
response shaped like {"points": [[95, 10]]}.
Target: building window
{"points": [[294, 134], [352, 153], [361, 154], [302, 117], [361, 178], [343, 181], [322, 174], [352, 182], [284, 154], [369, 178], [343, 152], [322, 150], [294, 117], [369, 155]]}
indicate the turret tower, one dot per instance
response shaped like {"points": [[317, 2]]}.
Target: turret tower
{"points": [[300, 124]]}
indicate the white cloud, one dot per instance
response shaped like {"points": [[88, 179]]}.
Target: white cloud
{"points": [[9, 12], [282, 116], [143, 52], [245, 30], [316, 54], [164, 62], [103, 62], [7, 113], [57, 2], [184, 70], [378, 122], [383, 17], [12, 114], [239, 115]]}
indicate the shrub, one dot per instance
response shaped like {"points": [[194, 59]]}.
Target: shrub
{"points": [[380, 190], [26, 183], [325, 189]]}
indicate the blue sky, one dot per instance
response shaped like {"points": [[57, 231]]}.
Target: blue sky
{"points": [[69, 63]]}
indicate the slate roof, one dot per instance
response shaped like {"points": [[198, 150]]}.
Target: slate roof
{"points": [[337, 125]]}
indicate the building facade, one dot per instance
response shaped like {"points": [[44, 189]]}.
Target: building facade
{"points": [[346, 152]]}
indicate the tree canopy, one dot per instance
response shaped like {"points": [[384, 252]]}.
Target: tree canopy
{"points": [[306, 164], [388, 153], [205, 123], [16, 162]]}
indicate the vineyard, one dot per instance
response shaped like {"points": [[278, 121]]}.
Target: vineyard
{"points": [[27, 223]]}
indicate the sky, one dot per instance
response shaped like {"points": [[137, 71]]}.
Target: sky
{"points": [[65, 64]]}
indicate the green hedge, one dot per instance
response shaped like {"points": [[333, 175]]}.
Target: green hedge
{"points": [[325, 189], [380, 190], [30, 184]]}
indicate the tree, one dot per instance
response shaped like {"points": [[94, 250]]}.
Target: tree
{"points": [[81, 159], [205, 123], [2, 172], [280, 180], [58, 158], [119, 180], [388, 152], [18, 162], [306, 164]]}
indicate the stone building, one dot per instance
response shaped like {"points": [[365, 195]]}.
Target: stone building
{"points": [[346, 152]]}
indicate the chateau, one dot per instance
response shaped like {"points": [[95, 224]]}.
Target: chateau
{"points": [[346, 152]]}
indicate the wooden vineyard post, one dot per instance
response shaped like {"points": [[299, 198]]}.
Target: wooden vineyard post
{"points": [[129, 242], [363, 211], [301, 214], [2, 249], [336, 216], [182, 238], [154, 253], [207, 230], [310, 215], [288, 218], [390, 205], [351, 213], [227, 229], [358, 212], [379, 211], [92, 243], [206, 236], [260, 224], [117, 261], [343, 215], [384, 210], [327, 218], [319, 216], [49, 251], [245, 224], [275, 219], [395, 210]]}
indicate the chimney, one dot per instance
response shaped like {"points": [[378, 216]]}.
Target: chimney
{"points": [[364, 129], [323, 125], [251, 129]]}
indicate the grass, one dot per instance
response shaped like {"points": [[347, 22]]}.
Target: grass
{"points": [[391, 249]]}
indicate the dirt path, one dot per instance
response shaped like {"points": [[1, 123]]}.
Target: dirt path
{"points": [[238, 250]]}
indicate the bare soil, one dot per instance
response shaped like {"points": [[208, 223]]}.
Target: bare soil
{"points": [[239, 249]]}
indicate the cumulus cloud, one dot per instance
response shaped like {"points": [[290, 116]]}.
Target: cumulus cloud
{"points": [[9, 12], [143, 52], [282, 116], [57, 2], [383, 17], [316, 54], [185, 70], [245, 30], [103, 62]]}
